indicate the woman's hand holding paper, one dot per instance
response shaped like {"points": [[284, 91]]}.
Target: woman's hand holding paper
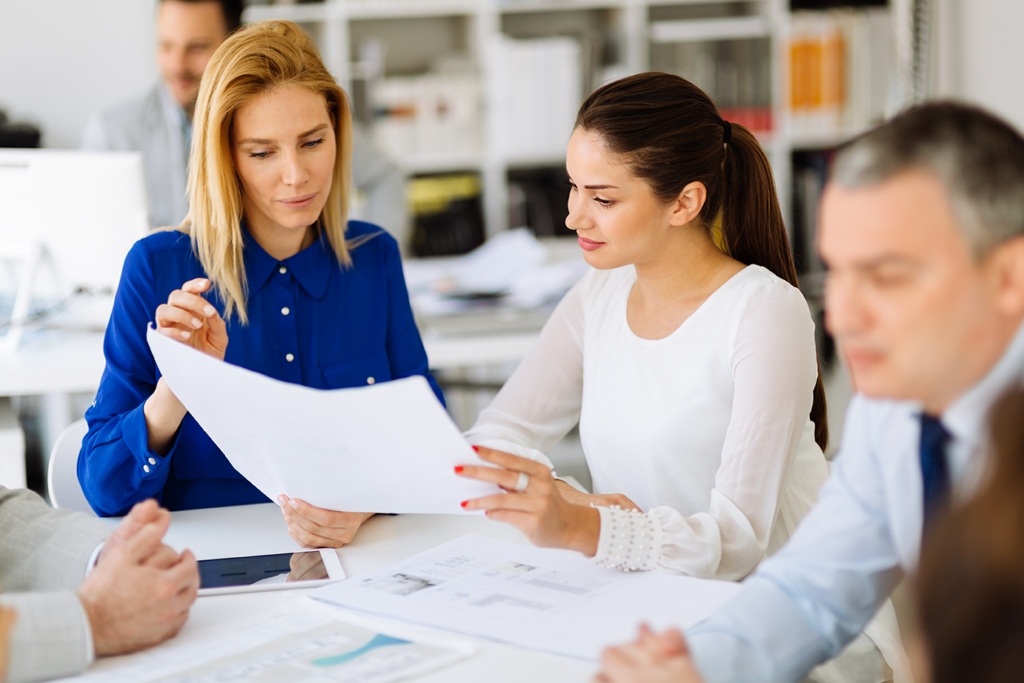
{"points": [[191, 319], [314, 527], [533, 503]]}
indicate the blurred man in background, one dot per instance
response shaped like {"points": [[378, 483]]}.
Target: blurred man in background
{"points": [[159, 124]]}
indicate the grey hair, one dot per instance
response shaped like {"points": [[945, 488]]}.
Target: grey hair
{"points": [[978, 158]]}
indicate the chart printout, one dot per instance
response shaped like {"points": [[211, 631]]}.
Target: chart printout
{"points": [[301, 642], [550, 600]]}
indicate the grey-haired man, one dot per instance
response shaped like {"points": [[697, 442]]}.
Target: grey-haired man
{"points": [[922, 228]]}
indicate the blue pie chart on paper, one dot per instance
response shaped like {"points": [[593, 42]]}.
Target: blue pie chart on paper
{"points": [[379, 640]]}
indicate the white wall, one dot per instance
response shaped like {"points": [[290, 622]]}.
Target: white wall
{"points": [[992, 55], [60, 60], [981, 54]]}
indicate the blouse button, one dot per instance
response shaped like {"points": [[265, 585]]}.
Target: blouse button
{"points": [[370, 380], [289, 358], [282, 270], [152, 461], [285, 311], [145, 468]]}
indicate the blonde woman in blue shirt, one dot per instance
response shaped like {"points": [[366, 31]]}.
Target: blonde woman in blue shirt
{"points": [[266, 260]]}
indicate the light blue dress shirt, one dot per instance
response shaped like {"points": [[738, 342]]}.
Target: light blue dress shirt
{"points": [[817, 593]]}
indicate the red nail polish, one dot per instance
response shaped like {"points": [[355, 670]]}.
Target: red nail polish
{"points": [[476, 449], [464, 503], [459, 468]]}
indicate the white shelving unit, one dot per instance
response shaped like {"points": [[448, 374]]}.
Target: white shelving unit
{"points": [[629, 31]]}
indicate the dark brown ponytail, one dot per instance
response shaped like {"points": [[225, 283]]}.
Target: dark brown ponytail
{"points": [[669, 133]]}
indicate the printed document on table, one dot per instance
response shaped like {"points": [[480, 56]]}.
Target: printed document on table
{"points": [[551, 600], [299, 642], [389, 447]]}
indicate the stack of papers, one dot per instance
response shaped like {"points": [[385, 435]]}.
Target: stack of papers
{"points": [[551, 600], [512, 270]]}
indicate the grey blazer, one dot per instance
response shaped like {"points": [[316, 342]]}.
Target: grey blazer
{"points": [[156, 126], [44, 555]]}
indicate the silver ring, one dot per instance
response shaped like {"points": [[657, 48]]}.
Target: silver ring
{"points": [[522, 482]]}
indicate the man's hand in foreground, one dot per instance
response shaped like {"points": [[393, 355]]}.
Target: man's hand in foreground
{"points": [[140, 591], [652, 658]]}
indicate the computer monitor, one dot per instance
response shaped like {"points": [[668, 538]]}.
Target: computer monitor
{"points": [[86, 209], [67, 220]]}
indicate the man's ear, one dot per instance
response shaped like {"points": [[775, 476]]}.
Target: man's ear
{"points": [[1007, 267], [688, 204]]}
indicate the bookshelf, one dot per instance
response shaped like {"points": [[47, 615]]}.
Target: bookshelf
{"points": [[490, 87]]}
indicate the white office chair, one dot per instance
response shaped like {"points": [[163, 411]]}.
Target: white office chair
{"points": [[62, 474]]}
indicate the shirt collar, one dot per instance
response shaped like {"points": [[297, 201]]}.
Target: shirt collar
{"points": [[966, 417], [311, 267]]}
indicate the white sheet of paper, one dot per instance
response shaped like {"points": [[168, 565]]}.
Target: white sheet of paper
{"points": [[551, 600], [389, 447]]}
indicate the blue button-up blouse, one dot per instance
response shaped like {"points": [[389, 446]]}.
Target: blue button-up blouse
{"points": [[311, 322]]}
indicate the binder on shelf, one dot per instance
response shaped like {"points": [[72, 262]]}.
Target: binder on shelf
{"points": [[447, 214], [432, 115], [735, 73], [838, 73], [541, 88]]}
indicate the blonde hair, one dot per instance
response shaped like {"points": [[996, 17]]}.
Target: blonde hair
{"points": [[256, 59]]}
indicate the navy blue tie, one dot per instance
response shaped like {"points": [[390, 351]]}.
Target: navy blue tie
{"points": [[934, 466]]}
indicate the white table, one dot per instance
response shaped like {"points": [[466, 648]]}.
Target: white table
{"points": [[56, 362], [53, 364], [382, 541]]}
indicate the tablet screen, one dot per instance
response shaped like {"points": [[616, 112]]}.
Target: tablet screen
{"points": [[261, 569]]}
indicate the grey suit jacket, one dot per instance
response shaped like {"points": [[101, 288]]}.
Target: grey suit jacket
{"points": [[44, 555], [155, 125]]}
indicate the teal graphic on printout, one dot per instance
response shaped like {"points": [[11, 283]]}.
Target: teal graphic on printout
{"points": [[379, 640]]}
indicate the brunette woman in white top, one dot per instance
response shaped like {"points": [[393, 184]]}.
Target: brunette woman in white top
{"points": [[690, 368]]}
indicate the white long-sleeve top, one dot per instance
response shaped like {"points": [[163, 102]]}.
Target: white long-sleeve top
{"points": [[707, 429]]}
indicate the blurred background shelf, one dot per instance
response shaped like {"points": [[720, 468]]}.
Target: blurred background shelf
{"points": [[409, 9], [474, 100], [440, 163], [710, 29], [491, 87]]}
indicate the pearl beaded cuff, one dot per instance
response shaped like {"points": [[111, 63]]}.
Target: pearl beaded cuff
{"points": [[630, 540]]}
